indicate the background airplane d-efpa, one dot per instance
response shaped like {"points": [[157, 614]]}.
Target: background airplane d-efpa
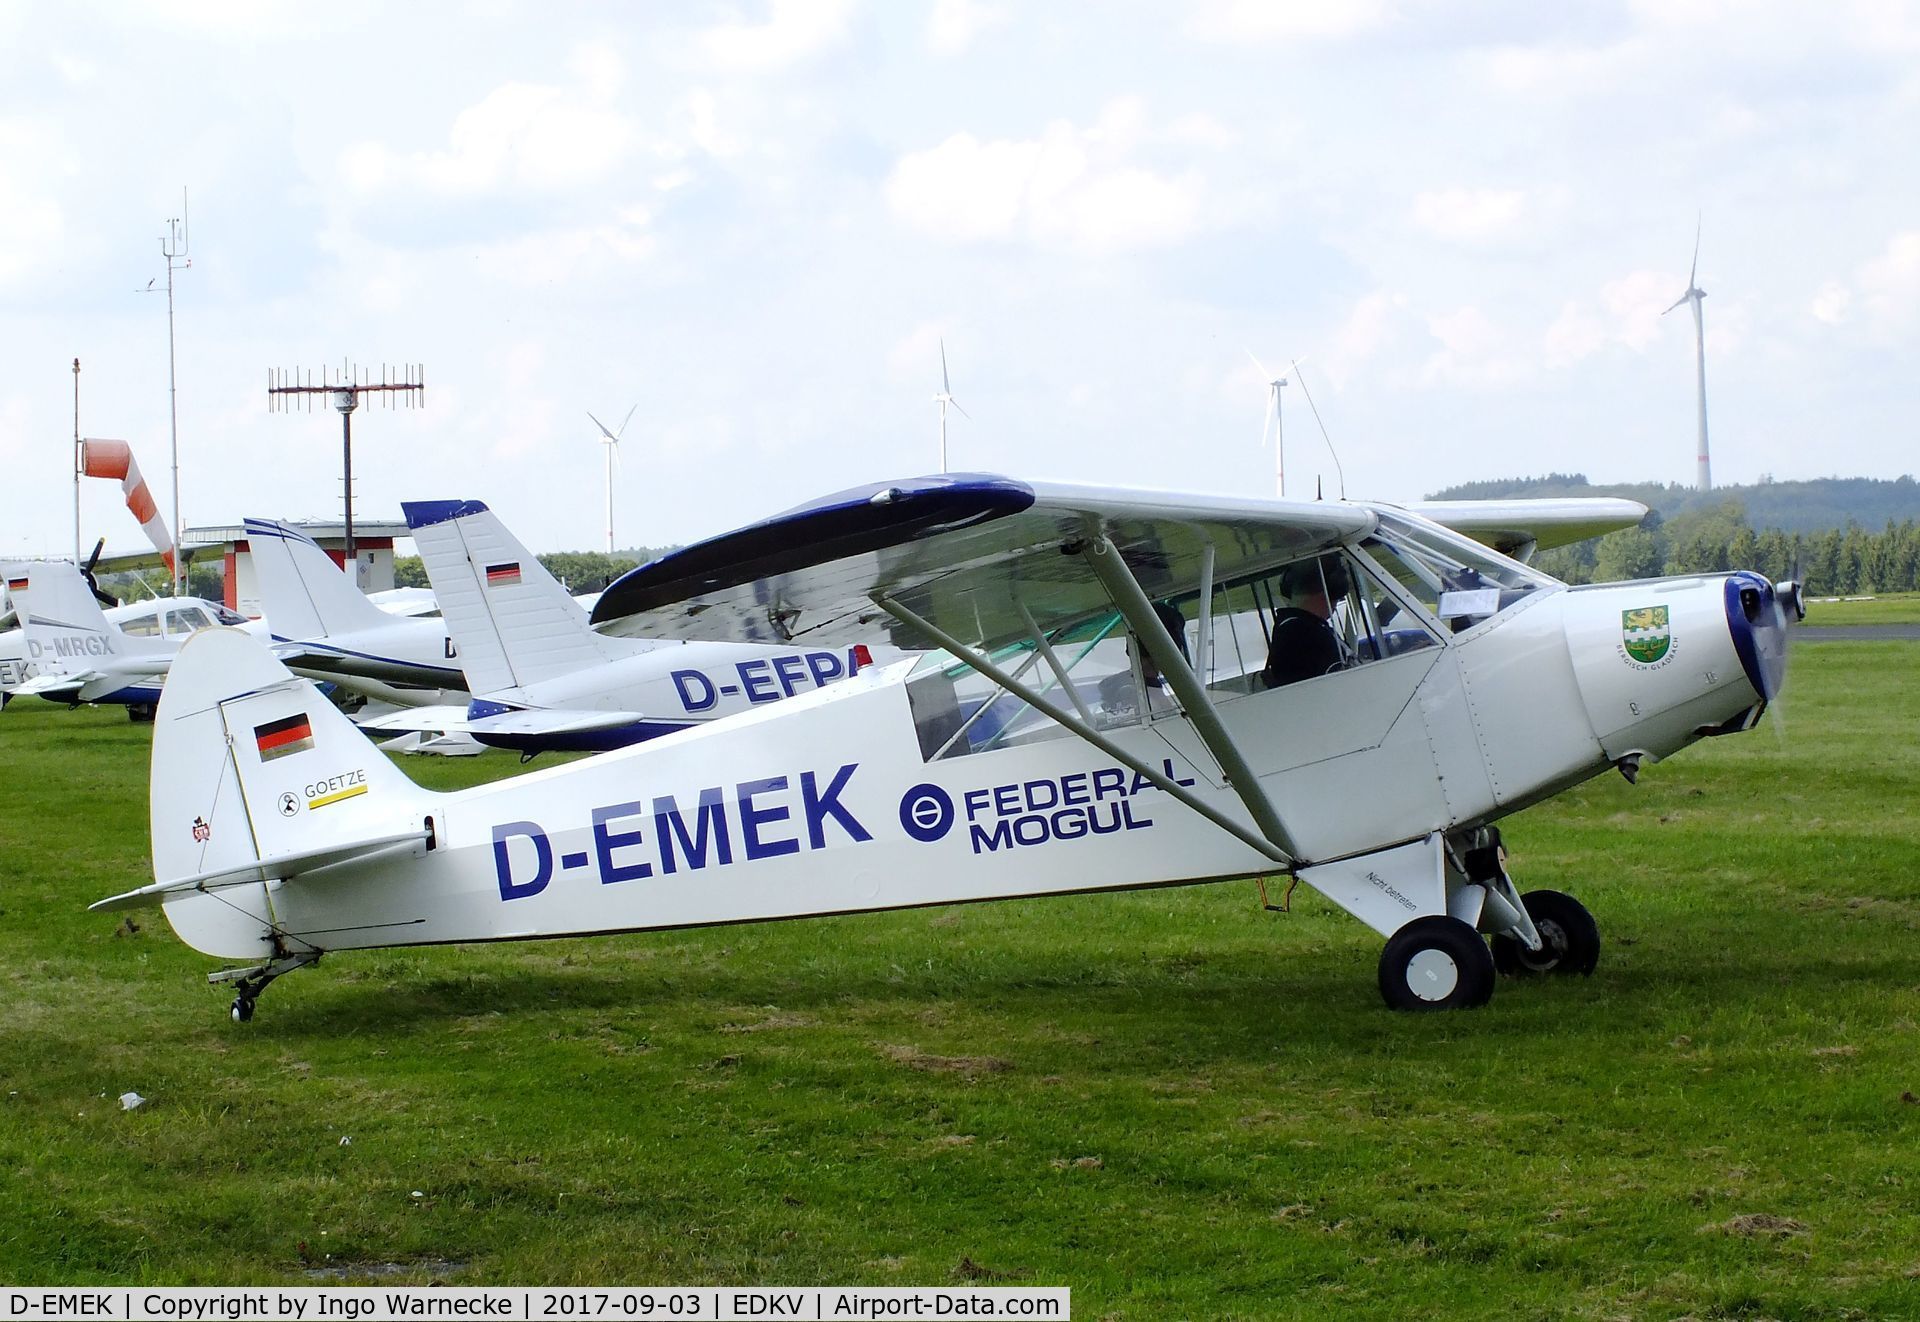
{"points": [[1115, 699]]}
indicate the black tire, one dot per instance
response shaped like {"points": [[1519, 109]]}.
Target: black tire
{"points": [[242, 1009], [1571, 939], [1436, 963], [140, 713]]}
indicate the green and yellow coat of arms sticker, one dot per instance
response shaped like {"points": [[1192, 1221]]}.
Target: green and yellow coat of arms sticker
{"points": [[1644, 634]]}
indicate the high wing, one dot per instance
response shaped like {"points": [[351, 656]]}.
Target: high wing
{"points": [[968, 562], [979, 556], [1518, 528]]}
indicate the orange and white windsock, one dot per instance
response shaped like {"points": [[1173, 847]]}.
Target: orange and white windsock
{"points": [[115, 459]]}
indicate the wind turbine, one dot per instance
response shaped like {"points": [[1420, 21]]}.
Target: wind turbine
{"points": [[1703, 478], [944, 398], [611, 439], [1270, 408]]}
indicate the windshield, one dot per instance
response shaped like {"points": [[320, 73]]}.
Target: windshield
{"points": [[1458, 580]]}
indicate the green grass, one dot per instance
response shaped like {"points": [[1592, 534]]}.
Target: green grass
{"points": [[1885, 608], [1172, 1102]]}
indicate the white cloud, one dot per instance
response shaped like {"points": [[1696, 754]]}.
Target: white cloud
{"points": [[1636, 302], [1831, 303], [1372, 325], [1474, 351], [1575, 334], [1628, 316], [1286, 20], [917, 354], [1073, 189], [1889, 285], [953, 25], [1469, 215], [520, 136], [702, 114], [794, 30], [30, 220]]}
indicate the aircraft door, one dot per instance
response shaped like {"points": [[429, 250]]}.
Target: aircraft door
{"points": [[1319, 672]]}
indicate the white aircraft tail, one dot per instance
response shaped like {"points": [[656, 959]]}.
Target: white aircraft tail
{"points": [[66, 631], [258, 783], [303, 592], [511, 621]]}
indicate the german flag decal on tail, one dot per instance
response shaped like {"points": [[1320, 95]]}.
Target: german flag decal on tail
{"points": [[16, 585], [292, 734], [503, 576]]}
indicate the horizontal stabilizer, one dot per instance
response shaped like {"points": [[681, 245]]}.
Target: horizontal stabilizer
{"points": [[519, 721], [278, 868]]}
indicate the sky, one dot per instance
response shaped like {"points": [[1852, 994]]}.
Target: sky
{"points": [[754, 224]]}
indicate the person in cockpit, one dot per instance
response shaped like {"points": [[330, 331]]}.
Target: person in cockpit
{"points": [[1304, 645]]}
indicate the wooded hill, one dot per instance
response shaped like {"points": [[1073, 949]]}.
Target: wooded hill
{"points": [[1837, 535]]}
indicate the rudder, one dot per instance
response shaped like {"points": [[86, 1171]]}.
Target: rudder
{"points": [[250, 765]]}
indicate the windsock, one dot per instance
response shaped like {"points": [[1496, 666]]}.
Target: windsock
{"points": [[115, 459]]}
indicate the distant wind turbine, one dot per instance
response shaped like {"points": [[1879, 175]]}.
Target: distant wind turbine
{"points": [[611, 439], [1270, 411], [944, 398], [1703, 477]]}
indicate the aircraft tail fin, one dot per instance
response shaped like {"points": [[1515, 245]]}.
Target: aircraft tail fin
{"points": [[511, 621], [66, 632], [257, 779], [303, 592]]}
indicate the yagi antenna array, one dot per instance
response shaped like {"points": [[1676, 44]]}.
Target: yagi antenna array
{"points": [[288, 389]]}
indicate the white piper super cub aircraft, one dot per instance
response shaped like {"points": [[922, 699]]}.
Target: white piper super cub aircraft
{"points": [[1131, 689]]}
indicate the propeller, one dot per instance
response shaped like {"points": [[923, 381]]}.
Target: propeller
{"points": [[93, 584]]}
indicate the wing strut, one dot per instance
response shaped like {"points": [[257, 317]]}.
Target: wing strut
{"points": [[1153, 775], [1103, 558]]}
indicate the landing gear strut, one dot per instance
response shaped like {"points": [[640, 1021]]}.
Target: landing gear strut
{"points": [[249, 983]]}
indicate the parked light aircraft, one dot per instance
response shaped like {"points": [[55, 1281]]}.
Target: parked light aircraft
{"points": [[68, 650], [328, 628], [1062, 739], [156, 617], [543, 680]]}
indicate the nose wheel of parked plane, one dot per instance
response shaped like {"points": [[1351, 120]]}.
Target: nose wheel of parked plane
{"points": [[1569, 939], [1436, 963]]}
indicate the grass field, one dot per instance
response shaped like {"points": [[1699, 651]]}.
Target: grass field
{"points": [[1173, 1102], [1887, 608]]}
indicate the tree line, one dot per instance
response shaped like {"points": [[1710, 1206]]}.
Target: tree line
{"points": [[579, 571], [1717, 538]]}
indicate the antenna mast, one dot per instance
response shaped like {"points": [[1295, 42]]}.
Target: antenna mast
{"points": [[343, 393], [78, 461], [174, 249]]}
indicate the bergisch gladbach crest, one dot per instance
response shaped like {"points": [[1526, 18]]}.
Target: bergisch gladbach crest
{"points": [[1644, 634]]}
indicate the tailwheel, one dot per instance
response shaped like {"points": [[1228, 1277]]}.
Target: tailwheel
{"points": [[1436, 963], [1569, 939], [242, 1009]]}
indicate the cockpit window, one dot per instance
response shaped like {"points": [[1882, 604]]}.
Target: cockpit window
{"points": [[186, 620], [1458, 580], [1314, 617], [1087, 669], [225, 616]]}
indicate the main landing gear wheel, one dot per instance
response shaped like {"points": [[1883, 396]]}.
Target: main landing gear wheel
{"points": [[1436, 963], [1569, 939]]}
